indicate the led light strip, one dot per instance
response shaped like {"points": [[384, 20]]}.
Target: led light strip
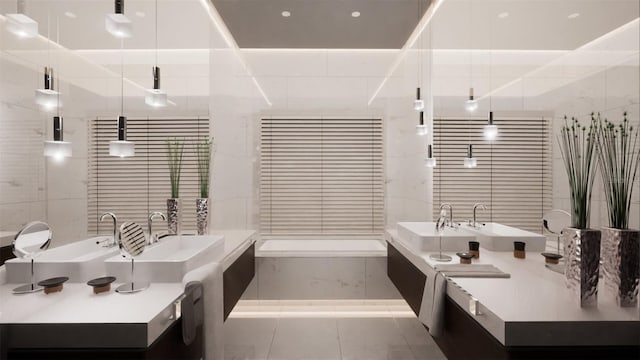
{"points": [[426, 19], [595, 42], [217, 21]]}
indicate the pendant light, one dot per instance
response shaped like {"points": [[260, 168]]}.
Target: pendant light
{"points": [[122, 147], [471, 104], [47, 96], [421, 128], [430, 161], [20, 24], [490, 130], [470, 161], [156, 97], [58, 148], [117, 23], [418, 103]]}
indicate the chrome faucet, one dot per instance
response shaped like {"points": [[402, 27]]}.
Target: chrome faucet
{"points": [[115, 228], [153, 238], [475, 207], [448, 206]]}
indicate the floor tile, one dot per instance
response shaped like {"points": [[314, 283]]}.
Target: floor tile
{"points": [[248, 338], [299, 338], [372, 338], [421, 343]]}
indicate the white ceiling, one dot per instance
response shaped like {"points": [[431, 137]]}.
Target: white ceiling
{"points": [[508, 55]]}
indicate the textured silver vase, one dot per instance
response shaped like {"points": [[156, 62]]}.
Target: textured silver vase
{"points": [[174, 216], [582, 252], [621, 264], [202, 215]]}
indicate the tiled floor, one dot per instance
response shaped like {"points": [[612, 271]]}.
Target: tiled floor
{"points": [[345, 329]]}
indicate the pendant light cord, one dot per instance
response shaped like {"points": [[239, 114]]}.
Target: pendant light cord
{"points": [[156, 33], [122, 77], [58, 73]]}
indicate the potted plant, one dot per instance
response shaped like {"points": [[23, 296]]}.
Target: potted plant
{"points": [[618, 162], [175, 149], [582, 244], [203, 154]]}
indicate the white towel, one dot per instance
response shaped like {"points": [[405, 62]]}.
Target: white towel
{"points": [[435, 289], [3, 274], [210, 276]]}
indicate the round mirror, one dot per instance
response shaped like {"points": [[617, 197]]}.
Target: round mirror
{"points": [[31, 240], [34, 238], [132, 240], [132, 243], [555, 220]]}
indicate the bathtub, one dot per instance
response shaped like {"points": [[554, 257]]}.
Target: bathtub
{"points": [[321, 248], [321, 270]]}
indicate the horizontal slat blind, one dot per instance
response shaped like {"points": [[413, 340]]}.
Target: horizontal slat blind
{"points": [[321, 178], [133, 187], [513, 178]]}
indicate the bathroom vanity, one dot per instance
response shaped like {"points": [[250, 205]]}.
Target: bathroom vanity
{"points": [[76, 323], [529, 315]]}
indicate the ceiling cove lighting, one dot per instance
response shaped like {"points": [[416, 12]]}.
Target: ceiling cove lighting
{"points": [[156, 97], [470, 161], [47, 96], [418, 103], [118, 24], [490, 130], [285, 13], [430, 161], [20, 24], [58, 148], [421, 128], [471, 104]]}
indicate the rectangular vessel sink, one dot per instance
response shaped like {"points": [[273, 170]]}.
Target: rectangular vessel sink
{"points": [[168, 260], [80, 261], [422, 236], [498, 237]]}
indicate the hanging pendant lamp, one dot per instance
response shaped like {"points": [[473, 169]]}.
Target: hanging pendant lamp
{"points": [[117, 24], [470, 161], [430, 161], [156, 97], [421, 128], [490, 130], [47, 96]]}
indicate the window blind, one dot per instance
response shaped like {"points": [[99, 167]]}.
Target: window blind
{"points": [[321, 178], [133, 187], [514, 174]]}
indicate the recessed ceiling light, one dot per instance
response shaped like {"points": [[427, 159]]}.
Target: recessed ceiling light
{"points": [[355, 14], [503, 15], [573, 16], [286, 13], [71, 15], [140, 14]]}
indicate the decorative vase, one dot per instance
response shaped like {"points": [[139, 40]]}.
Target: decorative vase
{"points": [[621, 264], [582, 252], [174, 216], [202, 215]]}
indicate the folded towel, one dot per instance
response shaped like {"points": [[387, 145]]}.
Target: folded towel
{"points": [[210, 276], [435, 289], [192, 307]]}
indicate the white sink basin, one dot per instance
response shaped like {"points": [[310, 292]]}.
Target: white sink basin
{"points": [[498, 237], [81, 261], [422, 236], [169, 260]]}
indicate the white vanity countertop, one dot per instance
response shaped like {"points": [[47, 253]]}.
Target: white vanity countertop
{"points": [[104, 320], [533, 307], [6, 238], [235, 243], [77, 303]]}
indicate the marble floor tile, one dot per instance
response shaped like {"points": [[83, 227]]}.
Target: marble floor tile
{"points": [[248, 338], [416, 335], [298, 338], [371, 339]]}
